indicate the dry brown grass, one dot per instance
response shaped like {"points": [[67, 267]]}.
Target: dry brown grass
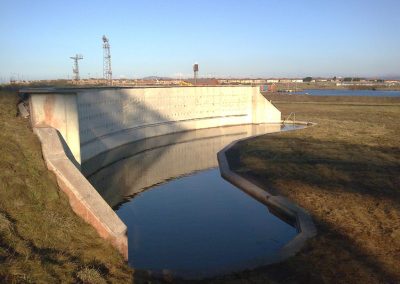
{"points": [[41, 239], [346, 172]]}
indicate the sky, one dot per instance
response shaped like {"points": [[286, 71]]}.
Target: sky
{"points": [[228, 38]]}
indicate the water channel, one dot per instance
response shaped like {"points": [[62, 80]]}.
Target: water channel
{"points": [[345, 92], [182, 217]]}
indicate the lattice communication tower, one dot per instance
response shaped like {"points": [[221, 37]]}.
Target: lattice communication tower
{"points": [[75, 69], [107, 72]]}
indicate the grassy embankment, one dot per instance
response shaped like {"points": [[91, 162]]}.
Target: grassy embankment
{"points": [[346, 172], [41, 239]]}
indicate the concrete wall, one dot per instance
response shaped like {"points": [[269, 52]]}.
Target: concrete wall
{"points": [[95, 120], [61, 112], [278, 204], [83, 198], [128, 170]]}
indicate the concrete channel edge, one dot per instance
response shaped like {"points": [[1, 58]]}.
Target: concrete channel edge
{"points": [[277, 203], [84, 199], [87, 203]]}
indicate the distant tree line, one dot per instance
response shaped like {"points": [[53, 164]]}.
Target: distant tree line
{"points": [[356, 79]]}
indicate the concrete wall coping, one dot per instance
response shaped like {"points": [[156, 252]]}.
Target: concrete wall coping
{"points": [[74, 90], [276, 203], [83, 197]]}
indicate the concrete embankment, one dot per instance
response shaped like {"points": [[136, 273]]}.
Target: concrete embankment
{"points": [[75, 125], [42, 239], [276, 203]]}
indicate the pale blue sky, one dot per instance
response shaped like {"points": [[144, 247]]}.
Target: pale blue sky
{"points": [[235, 38]]}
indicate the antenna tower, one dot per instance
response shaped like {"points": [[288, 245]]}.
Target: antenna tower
{"points": [[107, 73], [75, 69]]}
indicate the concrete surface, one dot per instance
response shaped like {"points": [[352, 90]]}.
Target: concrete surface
{"points": [[83, 198], [61, 112], [130, 169], [91, 121], [279, 204], [22, 111]]}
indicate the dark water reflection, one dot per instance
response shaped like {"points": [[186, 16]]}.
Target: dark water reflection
{"points": [[201, 225], [190, 221]]}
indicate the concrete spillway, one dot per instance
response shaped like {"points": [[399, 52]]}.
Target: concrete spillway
{"points": [[182, 216], [79, 125]]}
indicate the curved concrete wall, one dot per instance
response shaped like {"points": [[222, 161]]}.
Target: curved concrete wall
{"points": [[95, 120], [130, 169]]}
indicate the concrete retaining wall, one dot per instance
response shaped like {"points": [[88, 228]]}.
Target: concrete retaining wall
{"points": [[93, 121], [83, 198], [130, 169], [279, 204], [61, 112]]}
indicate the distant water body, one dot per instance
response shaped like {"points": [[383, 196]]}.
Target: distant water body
{"points": [[365, 93]]}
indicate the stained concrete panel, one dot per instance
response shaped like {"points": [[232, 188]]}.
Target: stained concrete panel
{"points": [[61, 112]]}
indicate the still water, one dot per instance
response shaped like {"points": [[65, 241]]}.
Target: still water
{"points": [[182, 217], [367, 93], [201, 225]]}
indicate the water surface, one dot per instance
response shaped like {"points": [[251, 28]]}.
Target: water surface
{"points": [[182, 217], [367, 93], [201, 225]]}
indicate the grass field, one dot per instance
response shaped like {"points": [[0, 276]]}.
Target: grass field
{"points": [[41, 239], [346, 172]]}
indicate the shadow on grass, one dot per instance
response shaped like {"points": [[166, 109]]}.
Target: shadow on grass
{"points": [[50, 259], [318, 262], [325, 168], [359, 169]]}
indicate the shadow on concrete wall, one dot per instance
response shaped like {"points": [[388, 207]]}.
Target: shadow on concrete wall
{"points": [[139, 165], [118, 116], [101, 132]]}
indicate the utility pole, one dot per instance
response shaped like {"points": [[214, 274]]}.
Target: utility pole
{"points": [[107, 72], [75, 69]]}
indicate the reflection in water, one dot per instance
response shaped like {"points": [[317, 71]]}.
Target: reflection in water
{"points": [[198, 225], [128, 170]]}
